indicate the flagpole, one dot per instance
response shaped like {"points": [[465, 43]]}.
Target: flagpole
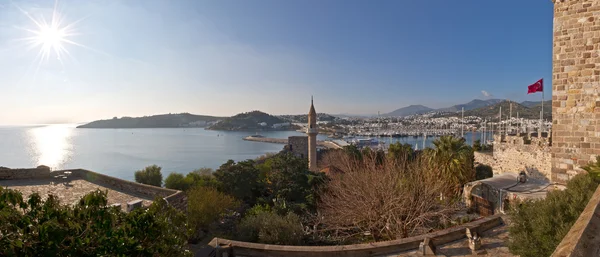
{"points": [[542, 114]]}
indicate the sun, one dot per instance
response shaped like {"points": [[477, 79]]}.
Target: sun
{"points": [[51, 37]]}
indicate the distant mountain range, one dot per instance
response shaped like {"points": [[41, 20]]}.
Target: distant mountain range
{"points": [[155, 121], [529, 110], [409, 110], [472, 105]]}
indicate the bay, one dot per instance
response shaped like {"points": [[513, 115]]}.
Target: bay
{"points": [[120, 152]]}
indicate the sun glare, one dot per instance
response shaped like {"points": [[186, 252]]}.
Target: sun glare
{"points": [[50, 38]]}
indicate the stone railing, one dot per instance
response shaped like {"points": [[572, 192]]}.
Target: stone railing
{"points": [[237, 248], [175, 198], [121, 184], [583, 238], [34, 173]]}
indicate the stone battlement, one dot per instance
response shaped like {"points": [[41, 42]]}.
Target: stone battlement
{"points": [[44, 181], [519, 153]]}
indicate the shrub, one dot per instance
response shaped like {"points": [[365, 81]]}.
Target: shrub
{"points": [[177, 181], [594, 169], [483, 171], [477, 145], [390, 201], [271, 228], [538, 226], [150, 176], [205, 206], [38, 227]]}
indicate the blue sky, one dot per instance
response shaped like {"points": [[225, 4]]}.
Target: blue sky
{"points": [[143, 57]]}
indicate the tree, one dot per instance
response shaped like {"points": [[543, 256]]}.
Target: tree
{"points": [[241, 180], [453, 159], [353, 151], [387, 201], [399, 152], [150, 176], [206, 206], [290, 181], [202, 177], [177, 181], [537, 227], [39, 227]]}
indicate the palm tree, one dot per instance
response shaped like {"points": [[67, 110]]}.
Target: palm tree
{"points": [[454, 161]]}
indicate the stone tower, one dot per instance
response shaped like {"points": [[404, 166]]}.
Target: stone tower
{"points": [[312, 132], [575, 86]]}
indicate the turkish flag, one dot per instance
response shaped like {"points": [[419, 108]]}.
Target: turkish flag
{"points": [[536, 87]]}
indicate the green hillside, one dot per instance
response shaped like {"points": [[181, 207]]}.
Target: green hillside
{"points": [[154, 121], [249, 121]]}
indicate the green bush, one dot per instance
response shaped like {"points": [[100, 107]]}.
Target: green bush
{"points": [[205, 206], [150, 176], [271, 228], [176, 181], [538, 226], [38, 227], [594, 169], [483, 171], [477, 145]]}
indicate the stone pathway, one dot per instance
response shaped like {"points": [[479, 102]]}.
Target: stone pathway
{"points": [[493, 242]]}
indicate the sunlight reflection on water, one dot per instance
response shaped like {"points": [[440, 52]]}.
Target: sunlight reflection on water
{"points": [[51, 145]]}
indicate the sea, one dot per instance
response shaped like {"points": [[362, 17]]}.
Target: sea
{"points": [[120, 152]]}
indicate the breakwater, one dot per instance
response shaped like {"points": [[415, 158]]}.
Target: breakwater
{"points": [[284, 141]]}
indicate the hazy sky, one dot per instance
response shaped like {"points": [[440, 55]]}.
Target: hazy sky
{"points": [[143, 57]]}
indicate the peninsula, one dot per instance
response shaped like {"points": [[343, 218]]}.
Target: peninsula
{"points": [[253, 121], [179, 120]]}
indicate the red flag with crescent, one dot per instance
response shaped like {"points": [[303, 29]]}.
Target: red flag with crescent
{"points": [[536, 87]]}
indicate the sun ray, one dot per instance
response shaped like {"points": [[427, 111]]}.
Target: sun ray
{"points": [[51, 35]]}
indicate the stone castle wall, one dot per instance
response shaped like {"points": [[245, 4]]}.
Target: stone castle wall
{"points": [[298, 145], [514, 155], [575, 86]]}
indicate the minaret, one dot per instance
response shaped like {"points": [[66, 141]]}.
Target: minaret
{"points": [[312, 132]]}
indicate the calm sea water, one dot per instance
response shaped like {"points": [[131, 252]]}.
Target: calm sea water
{"points": [[120, 152]]}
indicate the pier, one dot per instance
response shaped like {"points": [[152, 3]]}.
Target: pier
{"points": [[284, 141]]}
